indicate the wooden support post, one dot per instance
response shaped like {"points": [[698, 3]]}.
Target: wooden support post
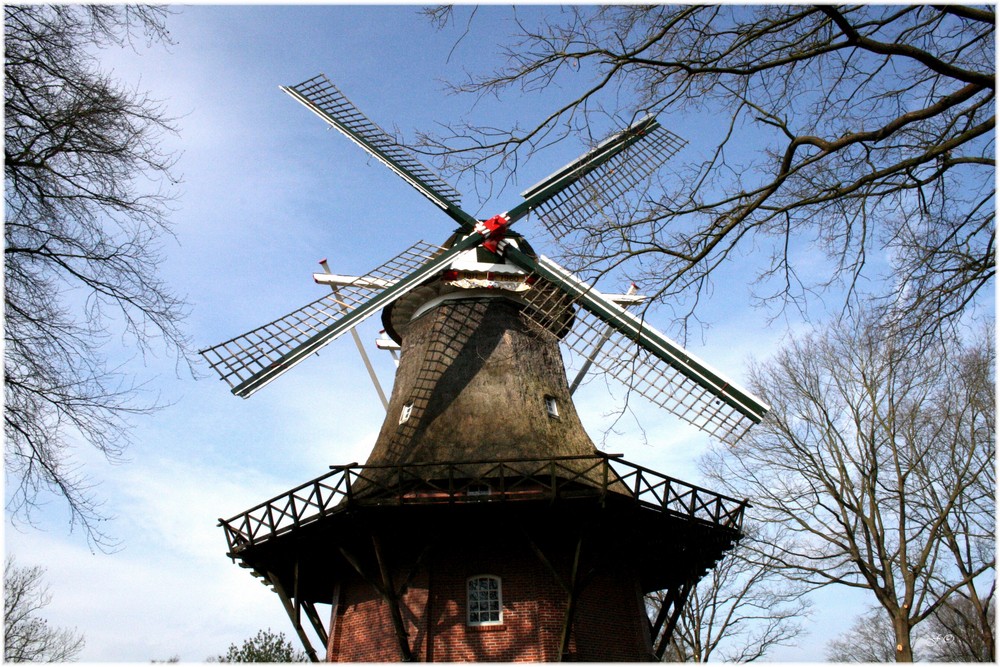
{"points": [[290, 610], [548, 564], [316, 622], [572, 588], [354, 563], [383, 585], [429, 615], [570, 602], [295, 593], [416, 567], [661, 617], [682, 597], [392, 598], [675, 602], [334, 616]]}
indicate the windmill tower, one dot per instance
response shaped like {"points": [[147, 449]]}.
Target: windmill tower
{"points": [[485, 524]]}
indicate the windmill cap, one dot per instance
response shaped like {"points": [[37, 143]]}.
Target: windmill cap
{"points": [[474, 273]]}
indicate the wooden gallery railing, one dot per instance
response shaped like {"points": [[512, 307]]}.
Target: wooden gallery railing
{"points": [[509, 480]]}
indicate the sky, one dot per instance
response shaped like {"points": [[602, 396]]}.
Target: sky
{"points": [[268, 192]]}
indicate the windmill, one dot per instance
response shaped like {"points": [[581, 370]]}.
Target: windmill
{"points": [[485, 524]]}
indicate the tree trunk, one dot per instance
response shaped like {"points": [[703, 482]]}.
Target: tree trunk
{"points": [[904, 649], [988, 639]]}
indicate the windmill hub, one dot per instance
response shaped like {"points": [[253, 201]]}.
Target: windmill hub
{"points": [[494, 229], [482, 267]]}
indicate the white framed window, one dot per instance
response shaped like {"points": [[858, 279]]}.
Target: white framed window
{"points": [[404, 414], [552, 407], [478, 490], [484, 601]]}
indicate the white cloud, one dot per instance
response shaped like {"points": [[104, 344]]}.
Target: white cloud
{"points": [[150, 602]]}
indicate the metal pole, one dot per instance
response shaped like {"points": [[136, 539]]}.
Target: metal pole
{"points": [[357, 342], [588, 362]]}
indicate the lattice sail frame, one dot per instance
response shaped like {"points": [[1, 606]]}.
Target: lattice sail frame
{"points": [[674, 379], [320, 96], [591, 325], [240, 359], [584, 196]]}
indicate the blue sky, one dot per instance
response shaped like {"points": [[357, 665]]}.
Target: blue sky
{"points": [[268, 192]]}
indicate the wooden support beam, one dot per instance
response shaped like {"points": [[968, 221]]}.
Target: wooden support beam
{"points": [[290, 610], [429, 615], [383, 586], [295, 593], [316, 622], [661, 617], [571, 601], [392, 598], [548, 564], [674, 616], [416, 567], [571, 587], [675, 601], [334, 616], [356, 564]]}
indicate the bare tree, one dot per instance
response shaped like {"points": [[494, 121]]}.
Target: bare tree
{"points": [[86, 203], [877, 459], [870, 639], [951, 634], [27, 637], [955, 633], [862, 132], [741, 609]]}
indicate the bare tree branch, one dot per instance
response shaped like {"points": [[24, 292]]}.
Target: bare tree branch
{"points": [[87, 193], [27, 637], [848, 134], [877, 459], [741, 610]]}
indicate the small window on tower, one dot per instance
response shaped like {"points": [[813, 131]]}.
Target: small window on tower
{"points": [[485, 601], [552, 407], [404, 415], [478, 490]]}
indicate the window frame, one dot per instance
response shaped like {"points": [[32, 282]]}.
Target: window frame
{"points": [[478, 490], [405, 413], [468, 601], [552, 406]]}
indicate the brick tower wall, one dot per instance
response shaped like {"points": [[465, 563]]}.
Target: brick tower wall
{"points": [[609, 622]]}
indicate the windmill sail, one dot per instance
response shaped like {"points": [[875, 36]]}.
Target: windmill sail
{"points": [[324, 99], [584, 188], [592, 325], [245, 361], [642, 358]]}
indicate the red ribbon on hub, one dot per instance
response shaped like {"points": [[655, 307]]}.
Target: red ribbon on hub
{"points": [[495, 230]]}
